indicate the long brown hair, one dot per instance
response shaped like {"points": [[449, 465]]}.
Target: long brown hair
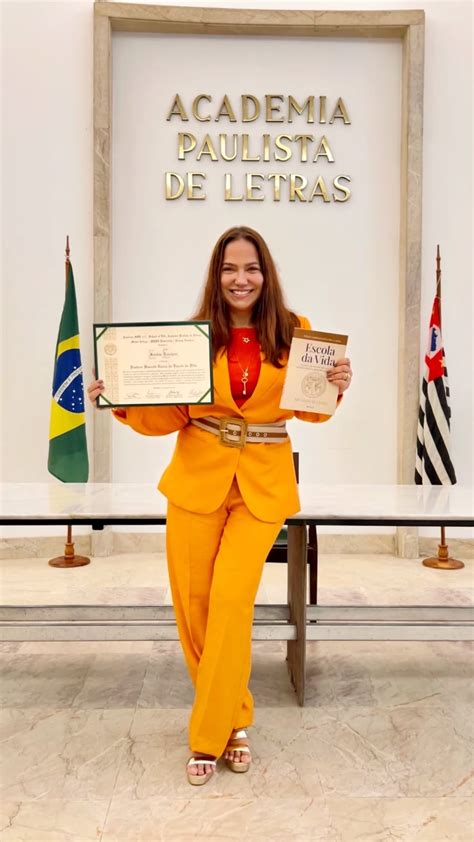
{"points": [[273, 321]]}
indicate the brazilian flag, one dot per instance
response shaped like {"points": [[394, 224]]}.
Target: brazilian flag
{"points": [[67, 458]]}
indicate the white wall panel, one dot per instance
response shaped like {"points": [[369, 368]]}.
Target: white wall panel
{"points": [[338, 262]]}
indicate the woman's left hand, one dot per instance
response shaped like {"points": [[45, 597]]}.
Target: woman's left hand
{"points": [[341, 374]]}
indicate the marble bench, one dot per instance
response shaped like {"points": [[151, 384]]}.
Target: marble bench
{"points": [[107, 504]]}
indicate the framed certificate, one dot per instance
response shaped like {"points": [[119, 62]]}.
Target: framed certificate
{"points": [[154, 363]]}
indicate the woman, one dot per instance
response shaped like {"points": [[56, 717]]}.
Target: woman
{"points": [[228, 491]]}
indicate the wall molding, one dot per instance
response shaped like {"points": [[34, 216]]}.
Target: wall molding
{"points": [[148, 544], [408, 27]]}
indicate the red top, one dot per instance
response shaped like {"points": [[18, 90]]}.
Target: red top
{"points": [[243, 355]]}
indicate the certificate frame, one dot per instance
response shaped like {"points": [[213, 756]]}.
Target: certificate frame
{"points": [[103, 326]]}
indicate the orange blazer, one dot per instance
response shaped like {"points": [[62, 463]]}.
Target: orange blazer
{"points": [[202, 469]]}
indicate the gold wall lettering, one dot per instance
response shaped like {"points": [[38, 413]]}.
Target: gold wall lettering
{"points": [[258, 187], [174, 185], [230, 146], [225, 146], [278, 108]]}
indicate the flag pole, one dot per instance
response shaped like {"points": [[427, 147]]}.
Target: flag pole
{"points": [[442, 561], [69, 559]]}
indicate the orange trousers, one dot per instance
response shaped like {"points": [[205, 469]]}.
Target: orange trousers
{"points": [[215, 564]]}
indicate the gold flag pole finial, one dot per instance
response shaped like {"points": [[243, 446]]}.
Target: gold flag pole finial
{"points": [[443, 560]]}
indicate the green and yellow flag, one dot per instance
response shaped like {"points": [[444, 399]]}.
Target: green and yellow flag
{"points": [[67, 458]]}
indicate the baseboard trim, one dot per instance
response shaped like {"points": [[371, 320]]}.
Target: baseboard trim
{"points": [[135, 542]]}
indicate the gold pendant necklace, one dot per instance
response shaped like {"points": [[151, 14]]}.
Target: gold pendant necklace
{"points": [[244, 378], [245, 371]]}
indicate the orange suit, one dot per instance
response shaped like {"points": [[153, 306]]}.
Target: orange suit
{"points": [[226, 506]]}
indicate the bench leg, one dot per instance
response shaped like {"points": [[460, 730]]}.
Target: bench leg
{"points": [[296, 649], [313, 564]]}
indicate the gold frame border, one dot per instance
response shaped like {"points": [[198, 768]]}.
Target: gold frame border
{"points": [[408, 26]]}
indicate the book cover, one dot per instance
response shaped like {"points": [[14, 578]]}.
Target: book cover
{"points": [[312, 355]]}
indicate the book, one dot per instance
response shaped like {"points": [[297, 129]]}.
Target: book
{"points": [[312, 355]]}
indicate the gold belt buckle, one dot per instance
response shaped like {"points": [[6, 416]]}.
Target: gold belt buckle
{"points": [[224, 432]]}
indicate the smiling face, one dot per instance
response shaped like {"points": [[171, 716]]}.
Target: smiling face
{"points": [[241, 280]]}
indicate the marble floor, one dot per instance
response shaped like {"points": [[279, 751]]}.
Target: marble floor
{"points": [[94, 734]]}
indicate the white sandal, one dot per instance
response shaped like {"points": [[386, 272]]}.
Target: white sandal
{"points": [[232, 745], [198, 780]]}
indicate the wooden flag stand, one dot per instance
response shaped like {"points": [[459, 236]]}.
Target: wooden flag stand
{"points": [[69, 559], [443, 561]]}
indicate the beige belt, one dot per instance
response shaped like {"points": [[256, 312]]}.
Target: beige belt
{"points": [[235, 432]]}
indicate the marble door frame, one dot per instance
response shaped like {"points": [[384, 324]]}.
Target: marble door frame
{"points": [[408, 26]]}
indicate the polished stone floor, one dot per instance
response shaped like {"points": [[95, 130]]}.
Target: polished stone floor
{"points": [[94, 734]]}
